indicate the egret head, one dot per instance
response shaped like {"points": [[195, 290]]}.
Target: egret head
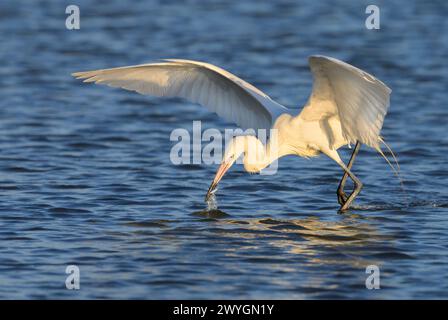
{"points": [[253, 160]]}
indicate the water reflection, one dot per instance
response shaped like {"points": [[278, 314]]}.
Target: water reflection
{"points": [[298, 253], [309, 236]]}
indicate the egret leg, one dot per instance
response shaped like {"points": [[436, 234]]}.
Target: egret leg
{"points": [[356, 190], [333, 154], [342, 197]]}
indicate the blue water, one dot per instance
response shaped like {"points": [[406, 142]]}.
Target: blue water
{"points": [[85, 176]]}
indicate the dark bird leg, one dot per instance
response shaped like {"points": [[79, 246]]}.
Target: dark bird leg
{"points": [[342, 197], [352, 196]]}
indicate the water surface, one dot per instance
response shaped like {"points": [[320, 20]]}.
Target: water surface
{"points": [[86, 177]]}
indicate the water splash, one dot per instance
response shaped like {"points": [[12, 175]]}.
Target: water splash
{"points": [[212, 203]]}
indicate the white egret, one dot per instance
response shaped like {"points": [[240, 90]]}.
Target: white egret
{"points": [[346, 106]]}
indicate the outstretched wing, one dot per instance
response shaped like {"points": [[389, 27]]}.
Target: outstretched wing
{"points": [[356, 97], [220, 91]]}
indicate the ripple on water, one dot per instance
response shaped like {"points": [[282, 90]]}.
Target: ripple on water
{"points": [[87, 177]]}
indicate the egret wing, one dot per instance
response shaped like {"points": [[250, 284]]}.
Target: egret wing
{"points": [[220, 91], [359, 99]]}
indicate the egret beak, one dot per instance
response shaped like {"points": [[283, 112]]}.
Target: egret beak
{"points": [[219, 174]]}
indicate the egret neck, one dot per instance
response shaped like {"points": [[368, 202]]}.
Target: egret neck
{"points": [[256, 156]]}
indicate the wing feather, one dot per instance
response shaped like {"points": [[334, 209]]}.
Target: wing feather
{"points": [[358, 99], [220, 91]]}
